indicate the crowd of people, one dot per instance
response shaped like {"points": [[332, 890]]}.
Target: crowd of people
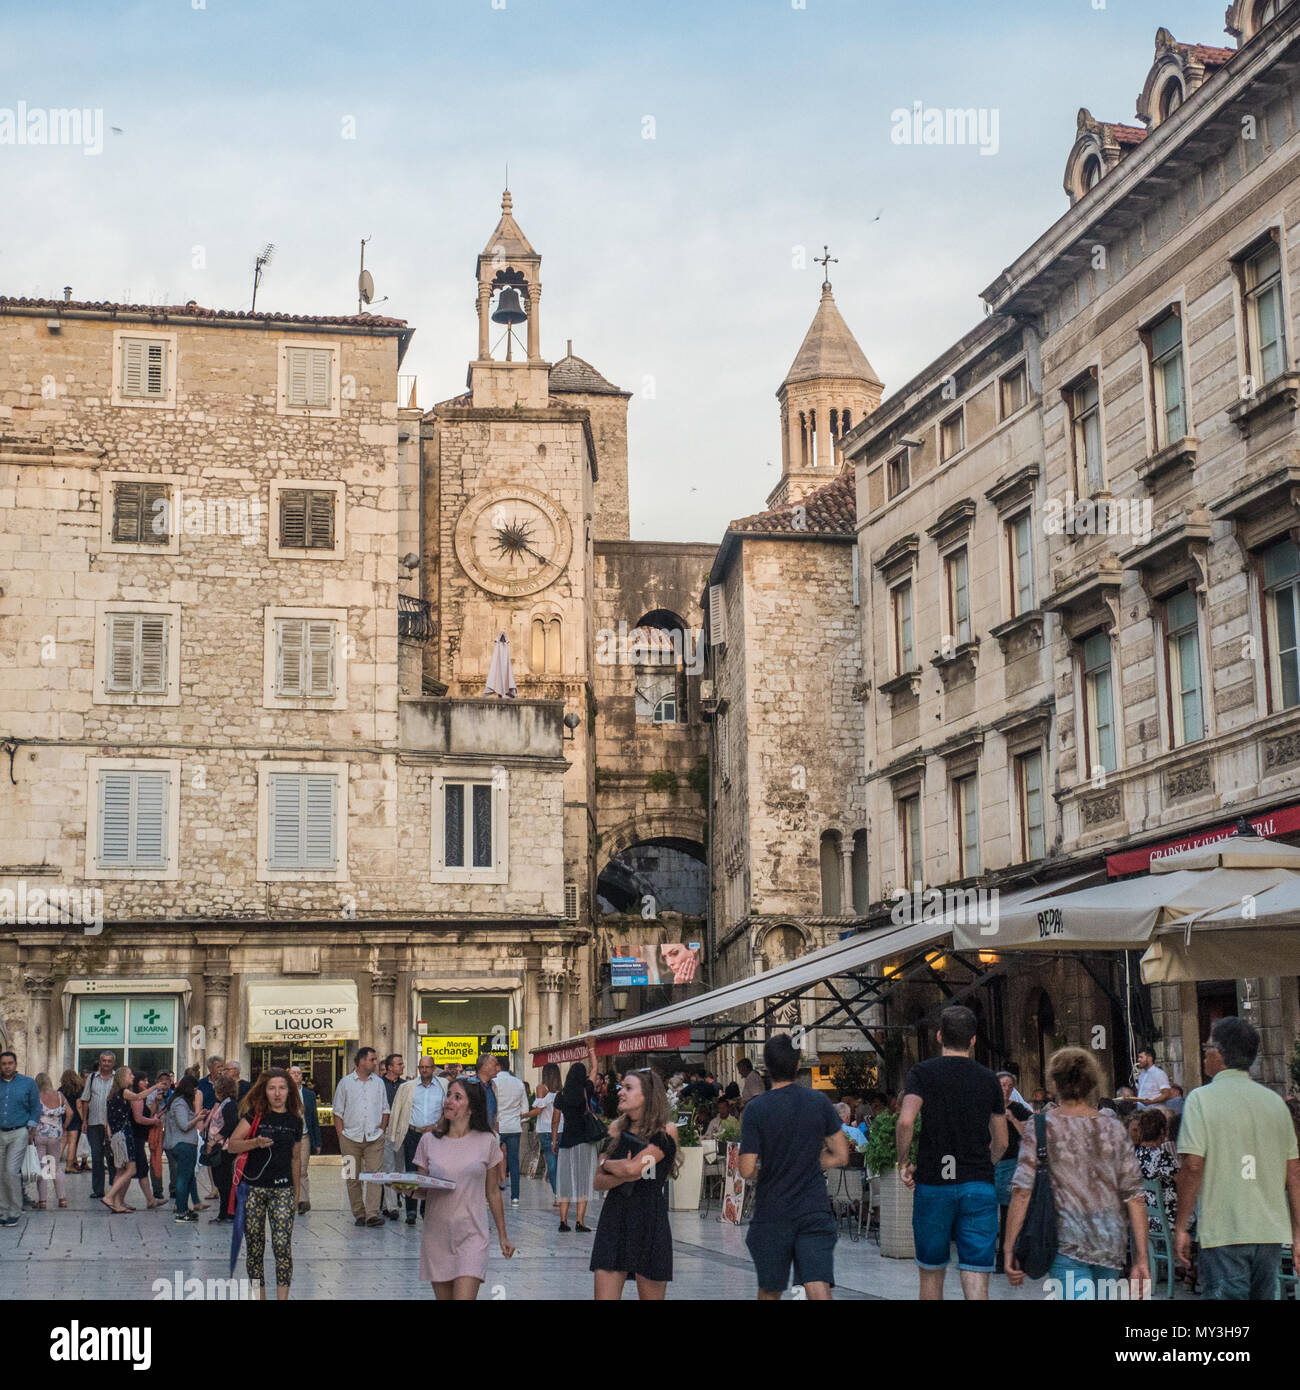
{"points": [[1217, 1170]]}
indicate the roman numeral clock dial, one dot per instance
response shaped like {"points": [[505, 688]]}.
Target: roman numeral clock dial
{"points": [[513, 541]]}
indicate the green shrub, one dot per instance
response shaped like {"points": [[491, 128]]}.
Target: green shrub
{"points": [[882, 1154]]}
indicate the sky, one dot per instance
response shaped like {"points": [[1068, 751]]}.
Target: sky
{"points": [[677, 165]]}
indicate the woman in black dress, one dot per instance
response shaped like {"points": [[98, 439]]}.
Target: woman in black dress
{"points": [[634, 1238]]}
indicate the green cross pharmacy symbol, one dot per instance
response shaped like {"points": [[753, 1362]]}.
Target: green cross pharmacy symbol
{"points": [[102, 1017], [152, 1016]]}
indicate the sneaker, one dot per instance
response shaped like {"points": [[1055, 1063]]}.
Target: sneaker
{"points": [[564, 1226], [514, 1201], [410, 1218], [180, 1219], [193, 1215], [9, 1221], [375, 1221], [360, 1221], [391, 1215]]}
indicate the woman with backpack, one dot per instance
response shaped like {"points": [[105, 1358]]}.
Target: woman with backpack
{"points": [[214, 1156]]}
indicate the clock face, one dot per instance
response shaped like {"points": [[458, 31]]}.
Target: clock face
{"points": [[513, 541]]}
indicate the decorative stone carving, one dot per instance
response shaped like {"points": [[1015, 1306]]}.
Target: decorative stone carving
{"points": [[1097, 810], [1187, 781], [1282, 751]]}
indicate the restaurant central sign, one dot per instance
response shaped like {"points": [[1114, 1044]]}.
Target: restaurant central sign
{"points": [[664, 1040]]}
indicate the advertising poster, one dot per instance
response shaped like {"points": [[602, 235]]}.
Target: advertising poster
{"points": [[655, 963], [733, 1187]]}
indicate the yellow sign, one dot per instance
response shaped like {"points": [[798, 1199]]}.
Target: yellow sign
{"points": [[464, 1050]]}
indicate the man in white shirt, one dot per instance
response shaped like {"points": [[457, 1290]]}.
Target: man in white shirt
{"points": [[1153, 1084], [512, 1101], [93, 1105], [751, 1084], [417, 1107], [360, 1117]]}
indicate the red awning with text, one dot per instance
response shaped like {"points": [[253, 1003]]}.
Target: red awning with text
{"points": [[664, 1040], [1270, 826]]}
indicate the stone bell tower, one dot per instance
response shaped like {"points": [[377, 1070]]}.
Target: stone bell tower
{"points": [[509, 292], [830, 388]]}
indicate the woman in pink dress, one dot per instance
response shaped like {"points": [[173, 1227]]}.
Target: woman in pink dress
{"points": [[462, 1148]]}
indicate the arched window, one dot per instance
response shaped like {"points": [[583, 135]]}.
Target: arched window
{"points": [[1265, 13], [1171, 98], [859, 871], [657, 650], [1091, 175], [780, 945], [832, 898], [846, 422], [546, 646]]}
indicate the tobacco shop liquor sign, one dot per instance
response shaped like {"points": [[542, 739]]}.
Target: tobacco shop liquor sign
{"points": [[315, 1013]]}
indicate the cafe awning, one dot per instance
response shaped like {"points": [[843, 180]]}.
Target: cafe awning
{"points": [[669, 1029], [303, 1013]]}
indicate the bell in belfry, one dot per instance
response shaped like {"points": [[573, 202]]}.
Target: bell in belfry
{"points": [[509, 310]]}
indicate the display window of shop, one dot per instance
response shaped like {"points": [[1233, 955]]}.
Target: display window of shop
{"points": [[457, 1027], [140, 1031]]}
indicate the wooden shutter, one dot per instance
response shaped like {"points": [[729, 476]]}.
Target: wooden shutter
{"points": [[128, 507], [320, 658], [288, 656], [152, 671], [133, 366], [120, 657], [297, 376], [320, 521], [150, 831], [155, 375], [318, 821], [115, 818], [293, 519], [318, 381], [285, 831], [155, 519], [717, 616]]}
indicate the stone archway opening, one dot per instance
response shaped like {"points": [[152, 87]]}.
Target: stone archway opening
{"points": [[670, 870]]}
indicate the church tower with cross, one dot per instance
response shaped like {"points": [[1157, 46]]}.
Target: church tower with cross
{"points": [[829, 389]]}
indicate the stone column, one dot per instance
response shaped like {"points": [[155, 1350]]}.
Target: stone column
{"points": [[534, 327], [216, 998], [846, 877], [383, 988], [549, 986], [825, 448], [484, 328], [40, 1047]]}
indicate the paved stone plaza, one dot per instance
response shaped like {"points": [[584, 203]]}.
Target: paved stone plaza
{"points": [[80, 1253]]}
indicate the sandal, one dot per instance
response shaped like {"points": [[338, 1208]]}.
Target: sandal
{"points": [[40, 1206], [63, 1201]]}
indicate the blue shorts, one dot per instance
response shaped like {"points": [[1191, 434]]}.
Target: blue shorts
{"points": [[807, 1242], [965, 1212]]}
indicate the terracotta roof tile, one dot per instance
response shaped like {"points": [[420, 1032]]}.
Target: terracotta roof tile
{"points": [[1212, 56], [196, 311], [572, 374], [1126, 134], [829, 511]]}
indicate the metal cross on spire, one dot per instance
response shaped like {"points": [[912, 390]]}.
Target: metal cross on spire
{"points": [[826, 260]]}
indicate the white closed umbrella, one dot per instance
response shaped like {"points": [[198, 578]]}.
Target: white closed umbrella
{"points": [[501, 674]]}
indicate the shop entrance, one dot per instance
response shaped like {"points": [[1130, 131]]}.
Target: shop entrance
{"points": [[322, 1066]]}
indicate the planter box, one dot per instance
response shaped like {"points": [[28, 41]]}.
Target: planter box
{"points": [[895, 1216], [684, 1189]]}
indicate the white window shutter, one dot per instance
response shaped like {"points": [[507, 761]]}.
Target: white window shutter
{"points": [[150, 835], [288, 656], [320, 658], [297, 376], [717, 616], [155, 382], [319, 833], [115, 818], [153, 655], [318, 384], [133, 366], [285, 833], [121, 653]]}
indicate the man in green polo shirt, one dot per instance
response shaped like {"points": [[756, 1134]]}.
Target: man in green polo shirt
{"points": [[1238, 1151]]}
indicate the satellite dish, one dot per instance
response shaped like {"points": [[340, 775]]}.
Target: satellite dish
{"points": [[366, 286]]}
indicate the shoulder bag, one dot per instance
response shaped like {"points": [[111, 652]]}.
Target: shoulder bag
{"points": [[1035, 1247]]}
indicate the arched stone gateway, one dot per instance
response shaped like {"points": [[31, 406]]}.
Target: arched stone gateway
{"points": [[671, 869]]}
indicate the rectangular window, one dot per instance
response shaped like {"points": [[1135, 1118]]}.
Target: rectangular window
{"points": [[1099, 703], [909, 833], [304, 662], [952, 434], [467, 825], [144, 368], [1281, 579], [137, 654], [141, 513], [1169, 401], [1013, 390], [966, 797], [303, 820], [1029, 795], [898, 474], [1265, 319], [957, 568], [1021, 563], [1183, 668], [1085, 427], [133, 820], [904, 653], [306, 519], [308, 378]]}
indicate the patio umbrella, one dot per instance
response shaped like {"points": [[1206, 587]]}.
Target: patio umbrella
{"points": [[1191, 883], [501, 675]]}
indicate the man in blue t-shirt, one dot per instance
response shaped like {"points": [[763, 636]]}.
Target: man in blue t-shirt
{"points": [[789, 1136], [963, 1130]]}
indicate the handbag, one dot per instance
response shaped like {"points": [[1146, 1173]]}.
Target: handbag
{"points": [[241, 1162], [117, 1147], [31, 1165], [593, 1129], [1035, 1247], [213, 1144]]}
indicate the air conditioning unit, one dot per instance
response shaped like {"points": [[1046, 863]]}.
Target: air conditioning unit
{"points": [[570, 902]]}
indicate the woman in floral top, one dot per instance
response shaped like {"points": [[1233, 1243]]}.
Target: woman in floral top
{"points": [[1095, 1182], [1147, 1130]]}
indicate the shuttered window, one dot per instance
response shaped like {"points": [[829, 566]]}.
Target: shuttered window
{"points": [[306, 519], [468, 840], [717, 616], [144, 367], [133, 820], [303, 821], [308, 377], [141, 513], [137, 654], [304, 660]]}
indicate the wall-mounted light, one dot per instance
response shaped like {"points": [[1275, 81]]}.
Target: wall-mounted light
{"points": [[619, 1000], [571, 722], [410, 560]]}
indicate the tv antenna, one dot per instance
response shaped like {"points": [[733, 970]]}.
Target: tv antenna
{"points": [[366, 283], [263, 260]]}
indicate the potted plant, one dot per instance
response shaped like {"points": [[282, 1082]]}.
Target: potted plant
{"points": [[684, 1189], [895, 1198]]}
